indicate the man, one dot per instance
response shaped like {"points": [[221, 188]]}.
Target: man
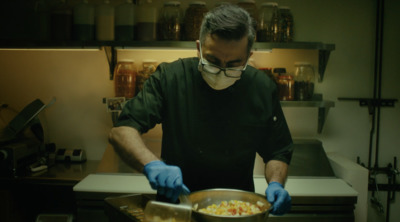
{"points": [[216, 114]]}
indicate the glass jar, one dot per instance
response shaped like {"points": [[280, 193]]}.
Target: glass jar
{"points": [[41, 21], [104, 16], [61, 21], [125, 79], [285, 85], [304, 79], [169, 23], [251, 8], [267, 23], [146, 21], [83, 28], [148, 67], [125, 21], [286, 24], [193, 19]]}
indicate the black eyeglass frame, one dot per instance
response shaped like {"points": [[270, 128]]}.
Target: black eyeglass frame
{"points": [[202, 64]]}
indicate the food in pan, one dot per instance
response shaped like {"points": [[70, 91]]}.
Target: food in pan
{"points": [[135, 212], [233, 208], [158, 219]]}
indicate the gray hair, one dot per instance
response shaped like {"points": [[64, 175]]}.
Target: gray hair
{"points": [[229, 22]]}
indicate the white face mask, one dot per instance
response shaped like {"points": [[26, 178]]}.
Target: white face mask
{"points": [[217, 81]]}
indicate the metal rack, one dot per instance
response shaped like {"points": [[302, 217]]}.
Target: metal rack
{"points": [[110, 48]]}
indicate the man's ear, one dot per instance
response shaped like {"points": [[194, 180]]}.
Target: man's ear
{"points": [[198, 48]]}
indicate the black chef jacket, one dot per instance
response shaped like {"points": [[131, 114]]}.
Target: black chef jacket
{"points": [[212, 135]]}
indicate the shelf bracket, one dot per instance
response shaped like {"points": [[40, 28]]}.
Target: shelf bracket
{"points": [[322, 114], [111, 55], [323, 58], [317, 102]]}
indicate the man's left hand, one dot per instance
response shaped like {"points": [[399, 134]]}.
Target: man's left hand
{"points": [[279, 198]]}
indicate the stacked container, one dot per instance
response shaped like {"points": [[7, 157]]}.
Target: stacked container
{"points": [[125, 21], [83, 25], [170, 21], [193, 19], [125, 79], [286, 24], [268, 23], [251, 8], [105, 22], [147, 16], [304, 79], [61, 21]]}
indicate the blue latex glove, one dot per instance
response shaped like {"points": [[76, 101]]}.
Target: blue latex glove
{"points": [[279, 198], [166, 179]]}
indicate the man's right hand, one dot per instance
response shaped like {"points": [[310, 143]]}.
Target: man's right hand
{"points": [[166, 179]]}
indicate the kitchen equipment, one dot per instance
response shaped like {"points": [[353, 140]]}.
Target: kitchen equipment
{"points": [[17, 150], [161, 211], [317, 194], [204, 198], [71, 155], [16, 156]]}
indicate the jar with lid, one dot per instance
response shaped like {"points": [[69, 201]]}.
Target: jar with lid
{"points": [[285, 85], [267, 22], [125, 21], [193, 18], [61, 21], [251, 8], [278, 71], [170, 21], [41, 21], [286, 24], [304, 79], [146, 21], [83, 28], [125, 79], [104, 16], [148, 67]]}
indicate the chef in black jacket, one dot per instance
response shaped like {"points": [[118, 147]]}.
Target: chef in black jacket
{"points": [[216, 113]]}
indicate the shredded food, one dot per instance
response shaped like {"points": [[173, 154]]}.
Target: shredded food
{"points": [[233, 208]]}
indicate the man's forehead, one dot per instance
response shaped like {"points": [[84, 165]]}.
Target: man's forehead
{"points": [[221, 47]]}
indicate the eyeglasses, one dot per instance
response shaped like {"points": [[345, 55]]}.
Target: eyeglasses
{"points": [[233, 72]]}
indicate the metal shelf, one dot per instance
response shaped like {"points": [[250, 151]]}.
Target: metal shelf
{"points": [[110, 47], [157, 44], [322, 105]]}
